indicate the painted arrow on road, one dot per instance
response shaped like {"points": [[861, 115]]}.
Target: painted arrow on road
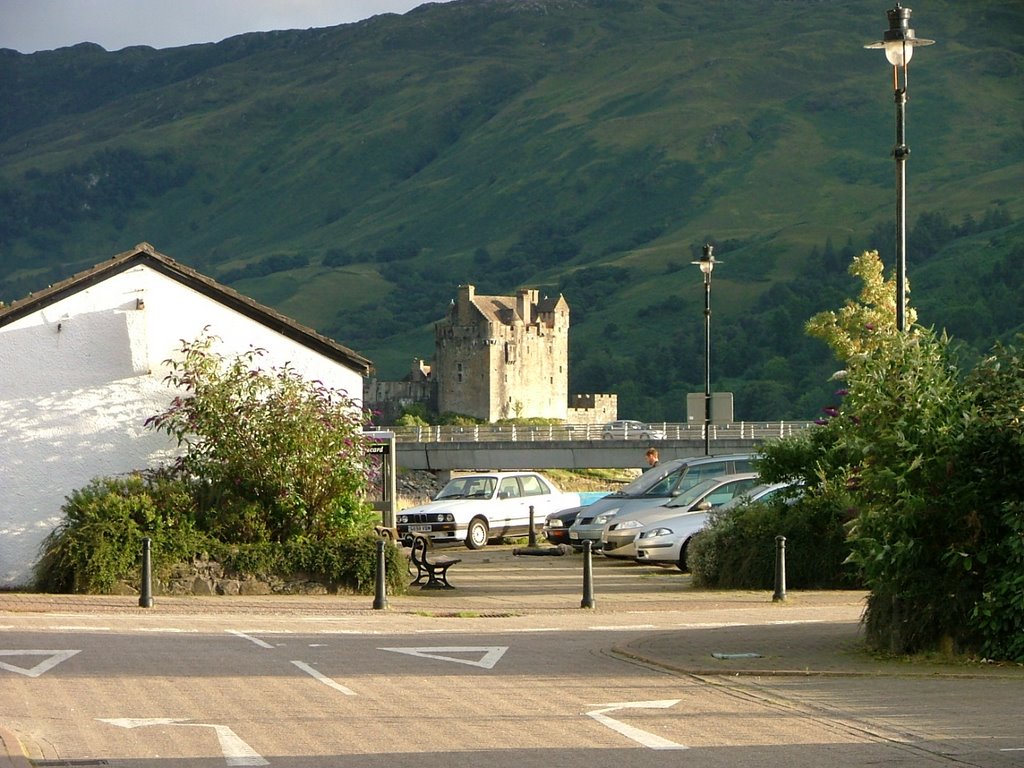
{"points": [[644, 738], [491, 654], [236, 752], [53, 658]]}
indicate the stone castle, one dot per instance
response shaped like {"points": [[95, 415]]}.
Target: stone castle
{"points": [[495, 357]]}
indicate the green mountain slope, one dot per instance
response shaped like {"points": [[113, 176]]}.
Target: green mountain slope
{"points": [[352, 177]]}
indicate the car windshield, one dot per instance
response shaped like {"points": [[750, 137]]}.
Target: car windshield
{"points": [[648, 480], [762, 492], [693, 494], [470, 487]]}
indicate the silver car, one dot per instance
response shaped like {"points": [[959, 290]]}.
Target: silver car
{"points": [[619, 535], [652, 489], [626, 429], [665, 542]]}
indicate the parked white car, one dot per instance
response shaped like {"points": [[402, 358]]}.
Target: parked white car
{"points": [[480, 507]]}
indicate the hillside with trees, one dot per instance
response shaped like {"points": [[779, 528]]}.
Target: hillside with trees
{"points": [[352, 177]]}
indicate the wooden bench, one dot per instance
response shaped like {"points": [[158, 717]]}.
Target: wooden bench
{"points": [[434, 570]]}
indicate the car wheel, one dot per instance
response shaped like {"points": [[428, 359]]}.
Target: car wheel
{"points": [[645, 436], [477, 533], [682, 556], [607, 436]]}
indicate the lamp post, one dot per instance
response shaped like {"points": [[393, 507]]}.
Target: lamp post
{"points": [[707, 264], [899, 42]]}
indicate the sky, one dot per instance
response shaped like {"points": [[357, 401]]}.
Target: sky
{"points": [[38, 25]]}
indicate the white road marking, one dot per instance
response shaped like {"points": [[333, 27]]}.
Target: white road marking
{"points": [[168, 630], [250, 638], [350, 632], [323, 678], [491, 654], [236, 752], [529, 630], [53, 658], [649, 740]]}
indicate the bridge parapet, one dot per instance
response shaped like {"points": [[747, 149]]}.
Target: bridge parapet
{"points": [[504, 447], [742, 430]]}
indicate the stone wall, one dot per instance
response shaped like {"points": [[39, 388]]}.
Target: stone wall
{"points": [[204, 578], [593, 409]]}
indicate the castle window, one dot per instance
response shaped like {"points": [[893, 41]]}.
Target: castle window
{"points": [[510, 352], [458, 372]]}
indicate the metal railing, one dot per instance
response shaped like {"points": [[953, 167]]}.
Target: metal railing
{"points": [[487, 433]]}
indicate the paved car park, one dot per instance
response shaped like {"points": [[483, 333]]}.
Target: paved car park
{"points": [[505, 670]]}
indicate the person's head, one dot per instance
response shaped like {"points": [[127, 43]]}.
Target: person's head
{"points": [[652, 456]]}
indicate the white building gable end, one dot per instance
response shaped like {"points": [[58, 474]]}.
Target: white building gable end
{"points": [[82, 368]]}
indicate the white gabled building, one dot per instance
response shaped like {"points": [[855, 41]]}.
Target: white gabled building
{"points": [[82, 368]]}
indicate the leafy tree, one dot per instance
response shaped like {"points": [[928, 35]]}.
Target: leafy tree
{"points": [[902, 426], [928, 463], [859, 325], [278, 456], [993, 504]]}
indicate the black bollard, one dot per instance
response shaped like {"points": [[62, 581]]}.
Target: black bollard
{"points": [[380, 599], [588, 575], [146, 592], [780, 569], [532, 541]]}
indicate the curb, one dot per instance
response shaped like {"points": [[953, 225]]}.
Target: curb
{"points": [[11, 753]]}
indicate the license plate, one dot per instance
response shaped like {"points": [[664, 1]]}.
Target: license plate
{"points": [[574, 535], [420, 528]]}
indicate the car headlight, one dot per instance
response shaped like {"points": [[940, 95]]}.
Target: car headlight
{"points": [[659, 532], [403, 519], [555, 523], [603, 519], [630, 524]]}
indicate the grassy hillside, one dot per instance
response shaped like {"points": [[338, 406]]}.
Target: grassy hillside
{"points": [[352, 177]]}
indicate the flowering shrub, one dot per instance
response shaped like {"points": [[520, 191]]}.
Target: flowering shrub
{"points": [[276, 456]]}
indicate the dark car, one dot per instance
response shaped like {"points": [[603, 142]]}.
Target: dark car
{"points": [[556, 525]]}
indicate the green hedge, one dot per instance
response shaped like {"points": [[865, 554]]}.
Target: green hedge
{"points": [[737, 549], [99, 543]]}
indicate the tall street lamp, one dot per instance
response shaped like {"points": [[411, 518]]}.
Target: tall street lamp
{"points": [[707, 264], [899, 42]]}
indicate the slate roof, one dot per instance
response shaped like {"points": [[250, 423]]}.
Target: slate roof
{"points": [[499, 309], [502, 309], [146, 254]]}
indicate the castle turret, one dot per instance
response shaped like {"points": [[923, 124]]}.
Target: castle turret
{"points": [[525, 299]]}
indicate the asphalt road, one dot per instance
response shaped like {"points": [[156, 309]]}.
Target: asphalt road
{"points": [[245, 684]]}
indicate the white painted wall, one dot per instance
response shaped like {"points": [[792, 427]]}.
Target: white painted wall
{"points": [[79, 378]]}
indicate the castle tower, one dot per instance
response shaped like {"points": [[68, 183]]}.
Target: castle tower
{"points": [[502, 357]]}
